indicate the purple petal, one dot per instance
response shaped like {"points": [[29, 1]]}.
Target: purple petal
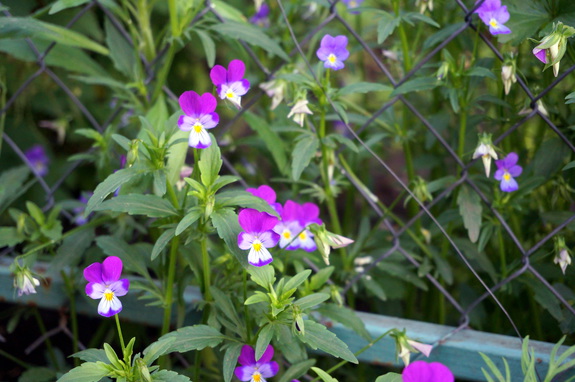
{"points": [[499, 174], [510, 160], [322, 53], [269, 369], [240, 88], [209, 121], [340, 42], [95, 290], [254, 221], [501, 29], [515, 171], [420, 371], [247, 356], [337, 65], [265, 192], [306, 241], [259, 258], [93, 273], [185, 123], [208, 103], [327, 41], [109, 308], [244, 373], [218, 74], [245, 240], [501, 15], [190, 103], [508, 185], [120, 287], [267, 356], [309, 213], [236, 70], [541, 54], [111, 269], [290, 211]]}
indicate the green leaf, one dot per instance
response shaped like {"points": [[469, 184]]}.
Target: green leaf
{"points": [[345, 316], [441, 35], [224, 304], [162, 241], [416, 16], [210, 163], [114, 246], [264, 339], [121, 51], [318, 337], [302, 154], [209, 46], [71, 251], [311, 300], [195, 337], [470, 210], [243, 199], [386, 26], [415, 85], [110, 185], [570, 98], [11, 185], [272, 140], [364, 87], [320, 278], [169, 376], [251, 35], [526, 17], [92, 355], [263, 276], [569, 166], [226, 223], [230, 361], [325, 377], [23, 27], [389, 377], [190, 218], [86, 372], [479, 71], [256, 298], [60, 5], [227, 11], [297, 280], [157, 349], [9, 237], [38, 374], [137, 204], [550, 157], [297, 370]]}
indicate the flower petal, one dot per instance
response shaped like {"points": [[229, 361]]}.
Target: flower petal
{"points": [[420, 371], [244, 373], [120, 287], [204, 140], [95, 290], [499, 173], [247, 356], [111, 269], [269, 369], [259, 258], [541, 54], [209, 121], [266, 357], [254, 221], [190, 103], [109, 308], [236, 70], [269, 239], [218, 74], [93, 273], [208, 103], [509, 185], [245, 240], [510, 160], [515, 171]]}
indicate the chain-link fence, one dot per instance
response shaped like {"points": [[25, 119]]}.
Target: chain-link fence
{"points": [[398, 233]]}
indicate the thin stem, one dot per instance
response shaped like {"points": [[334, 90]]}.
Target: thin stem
{"points": [[120, 336], [502, 256], [462, 132], [170, 285], [246, 310], [70, 291], [42, 328], [146, 30], [404, 40], [14, 359], [206, 268], [174, 24]]}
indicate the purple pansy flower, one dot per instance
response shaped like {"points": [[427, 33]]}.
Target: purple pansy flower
{"points": [[230, 83], [420, 371], [507, 169], [351, 4], [79, 217], [256, 371], [292, 227], [199, 117], [494, 15], [38, 159], [257, 236], [333, 51], [104, 283], [268, 194], [260, 18]]}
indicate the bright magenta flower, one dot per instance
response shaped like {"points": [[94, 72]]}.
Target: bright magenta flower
{"points": [[230, 83], [104, 283], [199, 117], [420, 371], [256, 371]]}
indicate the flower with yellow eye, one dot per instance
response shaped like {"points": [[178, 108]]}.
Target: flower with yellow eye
{"points": [[230, 83], [104, 283], [333, 51]]}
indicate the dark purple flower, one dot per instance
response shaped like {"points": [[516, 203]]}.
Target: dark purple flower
{"points": [[104, 283], [268, 194], [292, 227], [199, 117], [79, 217], [230, 83], [256, 371], [38, 159], [260, 18], [333, 51], [420, 371], [507, 169], [494, 15], [258, 235]]}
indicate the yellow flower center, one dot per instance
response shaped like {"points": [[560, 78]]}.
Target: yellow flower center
{"points": [[257, 246], [331, 58], [197, 127], [352, 4], [302, 236], [287, 234], [506, 176], [109, 295], [230, 94], [493, 23], [257, 377]]}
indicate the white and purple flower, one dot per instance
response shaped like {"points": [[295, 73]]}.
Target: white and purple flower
{"points": [[507, 169], [268, 194], [258, 235], [38, 159], [104, 283], [256, 370], [351, 4], [421, 371], [230, 83], [292, 227], [333, 51], [24, 282], [494, 15], [199, 117]]}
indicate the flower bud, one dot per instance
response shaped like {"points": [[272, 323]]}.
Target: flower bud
{"points": [[552, 48], [508, 75], [405, 346], [24, 282], [486, 151], [299, 110], [561, 253]]}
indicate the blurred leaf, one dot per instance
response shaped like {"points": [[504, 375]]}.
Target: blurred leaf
{"points": [[156, 350], [318, 337], [230, 361], [325, 377], [137, 204], [243, 199], [364, 87], [410, 17], [526, 18], [209, 46], [416, 84], [86, 372], [110, 185], [210, 163], [386, 25], [441, 35], [22, 27], [122, 52], [550, 157], [191, 217], [92, 355], [169, 376], [71, 251], [345, 316], [114, 246], [569, 166], [272, 140], [162, 241], [303, 152], [470, 210], [11, 185], [38, 374], [311, 300], [9, 237], [195, 337], [297, 370], [478, 71], [389, 377], [225, 221], [227, 11], [60, 5], [475, 257], [251, 35], [570, 98]]}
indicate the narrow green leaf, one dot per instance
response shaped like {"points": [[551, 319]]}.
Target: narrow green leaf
{"points": [[416, 84], [110, 185], [195, 337], [470, 210], [264, 339], [190, 218], [386, 26], [263, 276], [162, 241], [209, 46], [230, 361], [121, 52], [311, 300], [210, 163], [243, 199], [302, 154], [479, 71], [416, 16], [169, 376], [318, 337], [226, 223], [345, 316], [137, 204], [364, 87], [297, 370], [157, 349], [251, 35], [390, 377], [325, 377], [86, 372], [297, 280], [92, 355], [60, 5], [272, 140], [114, 246]]}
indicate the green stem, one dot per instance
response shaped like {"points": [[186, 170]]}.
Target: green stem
{"points": [[502, 257], [175, 27], [170, 285], [146, 30], [164, 71], [246, 310], [206, 268], [42, 328], [120, 335], [70, 291], [462, 132], [14, 359], [404, 40]]}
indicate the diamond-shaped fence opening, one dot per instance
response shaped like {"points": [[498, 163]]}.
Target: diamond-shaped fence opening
{"points": [[401, 231]]}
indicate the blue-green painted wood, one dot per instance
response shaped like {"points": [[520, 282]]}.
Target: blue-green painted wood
{"points": [[460, 352]]}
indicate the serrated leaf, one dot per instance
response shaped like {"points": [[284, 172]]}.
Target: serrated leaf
{"points": [[209, 46], [195, 337], [169, 376], [470, 210], [386, 26], [23, 27], [92, 355], [110, 185], [157, 349], [297, 370], [190, 218], [364, 87], [311, 300], [162, 241], [230, 361], [137, 204], [415, 85], [9, 237], [251, 35], [302, 154], [318, 337], [345, 316], [86, 372]]}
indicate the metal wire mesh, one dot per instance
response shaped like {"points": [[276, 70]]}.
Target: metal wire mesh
{"points": [[424, 208]]}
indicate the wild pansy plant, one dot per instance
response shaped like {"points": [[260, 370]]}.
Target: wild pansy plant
{"points": [[333, 51], [104, 283], [199, 117], [295, 218], [260, 18], [257, 236], [552, 47], [231, 84], [256, 370], [507, 170], [494, 15]]}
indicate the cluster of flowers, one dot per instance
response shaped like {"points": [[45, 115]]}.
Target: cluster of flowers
{"points": [[262, 230]]}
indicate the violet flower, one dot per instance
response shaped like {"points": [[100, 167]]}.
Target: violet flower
{"points": [[420, 371], [230, 83], [292, 227], [507, 169], [257, 235], [333, 51], [256, 371], [351, 4], [79, 217], [38, 159], [104, 283], [494, 15], [260, 18], [199, 117], [268, 194]]}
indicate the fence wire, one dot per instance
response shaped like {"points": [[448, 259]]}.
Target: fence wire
{"points": [[254, 96]]}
